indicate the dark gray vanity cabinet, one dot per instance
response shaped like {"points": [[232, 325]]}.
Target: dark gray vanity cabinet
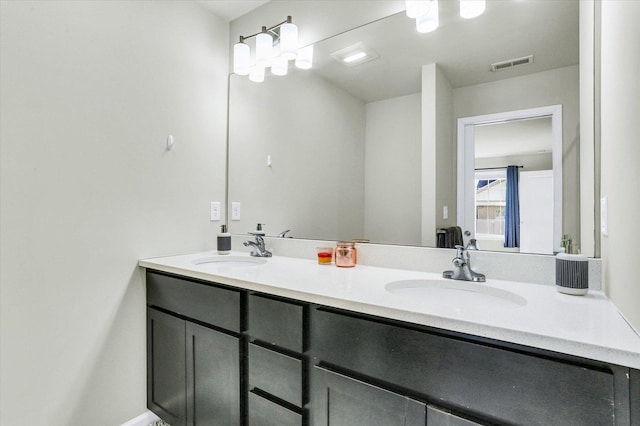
{"points": [[193, 362], [462, 380], [219, 355], [277, 392]]}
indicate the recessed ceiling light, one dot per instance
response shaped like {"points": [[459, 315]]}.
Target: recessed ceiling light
{"points": [[354, 55]]}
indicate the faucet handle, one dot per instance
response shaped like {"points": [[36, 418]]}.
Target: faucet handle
{"points": [[460, 250]]}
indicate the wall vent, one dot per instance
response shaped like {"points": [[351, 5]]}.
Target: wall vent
{"points": [[499, 66]]}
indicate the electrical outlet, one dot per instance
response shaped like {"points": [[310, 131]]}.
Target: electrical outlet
{"points": [[235, 210], [215, 210], [445, 212]]}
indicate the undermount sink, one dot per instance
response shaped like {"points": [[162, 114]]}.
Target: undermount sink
{"points": [[456, 293], [235, 261]]}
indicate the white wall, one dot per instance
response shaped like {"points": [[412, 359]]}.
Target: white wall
{"points": [[90, 91], [323, 147], [438, 153], [558, 86], [446, 155], [392, 171], [588, 174], [620, 109]]}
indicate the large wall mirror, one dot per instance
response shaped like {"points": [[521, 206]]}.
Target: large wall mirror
{"points": [[369, 150]]}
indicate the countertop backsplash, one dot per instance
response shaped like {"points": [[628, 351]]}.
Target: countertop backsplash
{"points": [[527, 268]]}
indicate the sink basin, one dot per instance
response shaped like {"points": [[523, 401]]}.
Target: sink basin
{"points": [[234, 261], [456, 293]]}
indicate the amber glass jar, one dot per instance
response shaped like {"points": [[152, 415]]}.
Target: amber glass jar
{"points": [[346, 254]]}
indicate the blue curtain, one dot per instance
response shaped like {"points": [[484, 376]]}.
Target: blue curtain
{"points": [[512, 213]]}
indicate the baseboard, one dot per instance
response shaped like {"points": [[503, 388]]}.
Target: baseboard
{"points": [[144, 419]]}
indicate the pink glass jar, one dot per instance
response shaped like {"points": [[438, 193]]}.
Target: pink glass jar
{"points": [[346, 255]]}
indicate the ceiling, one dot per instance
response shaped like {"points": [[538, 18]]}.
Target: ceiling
{"points": [[463, 49], [231, 9]]}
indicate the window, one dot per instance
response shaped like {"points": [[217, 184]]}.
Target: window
{"points": [[490, 202]]}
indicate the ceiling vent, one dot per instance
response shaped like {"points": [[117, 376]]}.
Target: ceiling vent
{"points": [[499, 66]]}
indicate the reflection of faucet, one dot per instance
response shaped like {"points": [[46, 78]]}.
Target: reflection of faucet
{"points": [[462, 270], [283, 234], [472, 245], [258, 248]]}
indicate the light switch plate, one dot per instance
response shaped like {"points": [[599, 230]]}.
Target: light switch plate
{"points": [[215, 210], [235, 210], [604, 216]]}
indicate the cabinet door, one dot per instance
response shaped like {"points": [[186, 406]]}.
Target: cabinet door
{"points": [[166, 394], [213, 377], [340, 400]]}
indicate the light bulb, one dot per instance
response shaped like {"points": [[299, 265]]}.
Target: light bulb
{"points": [[241, 58], [257, 74], [417, 8], [289, 40], [472, 8], [430, 21], [280, 66], [304, 60], [264, 47]]}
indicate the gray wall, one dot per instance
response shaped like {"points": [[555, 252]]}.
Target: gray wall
{"points": [[392, 171], [322, 148], [620, 151], [90, 91], [438, 153], [559, 86]]}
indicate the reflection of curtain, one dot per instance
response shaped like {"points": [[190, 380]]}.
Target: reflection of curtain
{"points": [[512, 213]]}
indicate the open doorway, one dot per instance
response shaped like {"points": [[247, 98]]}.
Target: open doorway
{"points": [[530, 140]]}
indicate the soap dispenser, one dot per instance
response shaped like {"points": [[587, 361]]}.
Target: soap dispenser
{"points": [[224, 240], [259, 230]]}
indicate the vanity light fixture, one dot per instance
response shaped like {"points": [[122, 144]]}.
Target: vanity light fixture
{"points": [[304, 60], [274, 48], [429, 21], [425, 13], [472, 8], [264, 48]]}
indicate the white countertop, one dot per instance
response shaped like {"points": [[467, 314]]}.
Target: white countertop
{"points": [[587, 326]]}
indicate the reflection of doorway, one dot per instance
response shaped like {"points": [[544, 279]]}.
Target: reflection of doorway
{"points": [[486, 145], [536, 212]]}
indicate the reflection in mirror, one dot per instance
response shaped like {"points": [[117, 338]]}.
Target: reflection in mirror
{"points": [[368, 151], [527, 144]]}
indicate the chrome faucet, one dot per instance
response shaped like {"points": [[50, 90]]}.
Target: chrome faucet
{"points": [[462, 267], [258, 248]]}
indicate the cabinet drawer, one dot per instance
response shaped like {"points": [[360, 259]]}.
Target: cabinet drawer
{"points": [[263, 412], [275, 373], [276, 322], [213, 305], [478, 380]]}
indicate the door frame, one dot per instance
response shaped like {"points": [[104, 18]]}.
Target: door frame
{"points": [[466, 161]]}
